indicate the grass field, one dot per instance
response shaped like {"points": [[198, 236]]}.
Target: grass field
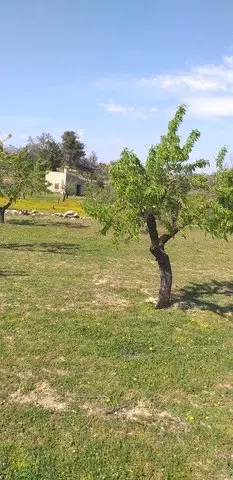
{"points": [[96, 384], [48, 203]]}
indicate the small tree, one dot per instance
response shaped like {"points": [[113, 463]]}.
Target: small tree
{"points": [[166, 193], [20, 175]]}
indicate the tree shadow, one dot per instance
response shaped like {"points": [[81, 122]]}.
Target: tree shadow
{"points": [[13, 273], [43, 223], [66, 248], [197, 295]]}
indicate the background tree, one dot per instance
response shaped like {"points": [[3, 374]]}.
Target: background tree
{"points": [[92, 165], [102, 174], [96, 170], [222, 191], [20, 175], [166, 193], [73, 150], [47, 150]]}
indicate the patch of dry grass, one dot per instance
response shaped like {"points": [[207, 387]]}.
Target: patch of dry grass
{"points": [[42, 395]]}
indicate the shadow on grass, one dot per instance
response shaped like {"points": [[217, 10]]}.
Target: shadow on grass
{"points": [[12, 273], [201, 295], [39, 223], [67, 248]]}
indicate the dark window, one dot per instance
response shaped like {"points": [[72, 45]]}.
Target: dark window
{"points": [[79, 190]]}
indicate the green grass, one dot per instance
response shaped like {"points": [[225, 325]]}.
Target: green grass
{"points": [[48, 204], [96, 384]]}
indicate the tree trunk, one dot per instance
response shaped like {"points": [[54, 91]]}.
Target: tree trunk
{"points": [[157, 250], [164, 299], [2, 215], [2, 211]]}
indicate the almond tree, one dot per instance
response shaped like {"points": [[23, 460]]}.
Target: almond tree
{"points": [[20, 175], [167, 193]]}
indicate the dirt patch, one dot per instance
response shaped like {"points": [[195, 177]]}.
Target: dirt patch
{"points": [[110, 280], [43, 395], [225, 386], [180, 397], [110, 299], [101, 280], [170, 422], [225, 478], [25, 375], [56, 371], [144, 413], [225, 455], [151, 300], [93, 410], [9, 339], [140, 412], [61, 359]]}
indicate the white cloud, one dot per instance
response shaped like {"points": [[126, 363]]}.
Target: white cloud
{"points": [[203, 78], [190, 81], [228, 61], [202, 106], [80, 132], [206, 88], [220, 106], [142, 113]]}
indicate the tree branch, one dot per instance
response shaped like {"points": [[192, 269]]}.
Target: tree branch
{"points": [[163, 239], [8, 204], [156, 241]]}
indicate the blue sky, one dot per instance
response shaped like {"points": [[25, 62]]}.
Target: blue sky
{"points": [[116, 70]]}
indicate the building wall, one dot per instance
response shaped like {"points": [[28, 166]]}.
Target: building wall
{"points": [[57, 180], [68, 179]]}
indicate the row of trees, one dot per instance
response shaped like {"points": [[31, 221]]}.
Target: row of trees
{"points": [[70, 151], [168, 193]]}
